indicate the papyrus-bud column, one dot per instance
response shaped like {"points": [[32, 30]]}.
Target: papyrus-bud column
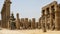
{"points": [[51, 18], [57, 17], [41, 22], [45, 19]]}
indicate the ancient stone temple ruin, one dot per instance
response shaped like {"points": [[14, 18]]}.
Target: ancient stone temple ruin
{"points": [[49, 20]]}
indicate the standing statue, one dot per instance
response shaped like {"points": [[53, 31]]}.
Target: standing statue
{"points": [[12, 22]]}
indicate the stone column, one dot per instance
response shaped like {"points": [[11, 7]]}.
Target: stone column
{"points": [[18, 21], [29, 23], [42, 20], [36, 25], [33, 23], [45, 20], [22, 25], [57, 17], [43, 24], [51, 18], [7, 13], [26, 23], [39, 23]]}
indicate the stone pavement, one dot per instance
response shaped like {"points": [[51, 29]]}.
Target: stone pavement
{"points": [[36, 31]]}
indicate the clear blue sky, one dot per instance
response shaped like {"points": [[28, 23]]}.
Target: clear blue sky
{"points": [[27, 8]]}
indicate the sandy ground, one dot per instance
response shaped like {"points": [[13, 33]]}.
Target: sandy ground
{"points": [[36, 31]]}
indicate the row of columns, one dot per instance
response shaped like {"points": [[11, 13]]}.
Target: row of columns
{"points": [[52, 18], [45, 19], [27, 24]]}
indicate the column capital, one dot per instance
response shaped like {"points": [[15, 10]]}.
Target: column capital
{"points": [[50, 10], [45, 12]]}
